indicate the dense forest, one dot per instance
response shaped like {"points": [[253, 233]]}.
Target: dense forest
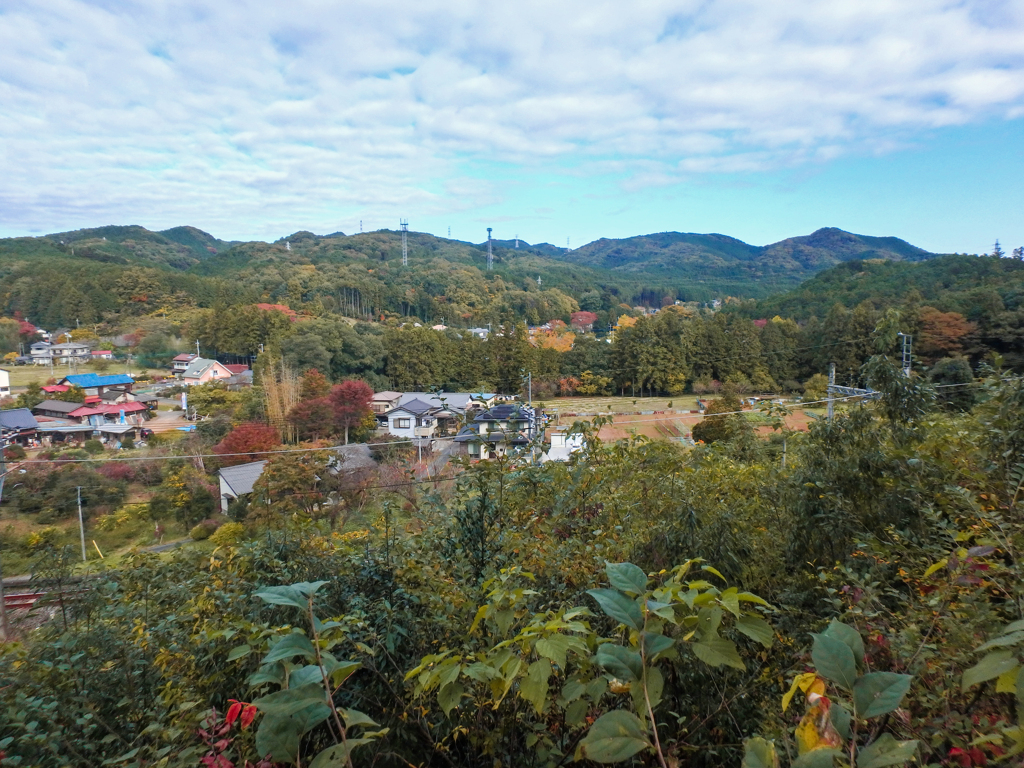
{"points": [[846, 596], [100, 275]]}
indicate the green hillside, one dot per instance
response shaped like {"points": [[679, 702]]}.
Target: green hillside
{"points": [[724, 264], [956, 283]]}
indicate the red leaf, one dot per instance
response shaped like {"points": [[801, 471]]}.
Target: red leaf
{"points": [[233, 712], [247, 715]]}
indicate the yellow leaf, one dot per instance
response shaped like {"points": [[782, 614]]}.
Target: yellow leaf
{"points": [[1007, 682], [936, 566], [816, 730], [801, 682]]}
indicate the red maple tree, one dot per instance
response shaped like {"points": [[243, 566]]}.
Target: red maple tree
{"points": [[247, 442]]}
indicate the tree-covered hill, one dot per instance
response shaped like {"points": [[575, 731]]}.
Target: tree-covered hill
{"points": [[970, 285], [94, 274], [727, 265]]}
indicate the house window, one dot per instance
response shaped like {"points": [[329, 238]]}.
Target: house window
{"points": [[402, 423]]}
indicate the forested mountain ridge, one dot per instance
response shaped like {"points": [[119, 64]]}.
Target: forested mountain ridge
{"points": [[639, 270], [736, 267]]}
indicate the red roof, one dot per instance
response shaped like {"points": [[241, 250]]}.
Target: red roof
{"points": [[237, 369], [101, 352], [52, 388], [93, 399], [185, 358], [108, 408]]}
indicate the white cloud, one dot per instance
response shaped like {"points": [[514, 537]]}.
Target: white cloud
{"points": [[250, 117]]}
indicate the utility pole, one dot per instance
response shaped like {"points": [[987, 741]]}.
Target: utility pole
{"points": [[831, 390], [3, 600], [81, 521], [490, 254], [197, 347]]}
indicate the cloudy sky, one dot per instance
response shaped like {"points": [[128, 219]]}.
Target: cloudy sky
{"points": [[550, 120]]}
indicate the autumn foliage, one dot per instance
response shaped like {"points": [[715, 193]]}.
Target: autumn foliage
{"points": [[247, 442]]}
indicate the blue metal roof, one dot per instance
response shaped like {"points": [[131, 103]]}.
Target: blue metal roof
{"points": [[18, 418], [86, 380]]}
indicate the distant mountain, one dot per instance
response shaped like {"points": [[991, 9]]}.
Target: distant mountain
{"points": [[634, 270], [178, 248], [732, 265]]}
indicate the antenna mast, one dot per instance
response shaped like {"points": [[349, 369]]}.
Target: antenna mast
{"points": [[405, 241], [490, 254]]}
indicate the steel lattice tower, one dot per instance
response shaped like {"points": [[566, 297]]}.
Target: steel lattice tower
{"points": [[405, 241]]}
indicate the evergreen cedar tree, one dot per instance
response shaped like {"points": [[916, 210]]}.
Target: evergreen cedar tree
{"points": [[250, 440]]}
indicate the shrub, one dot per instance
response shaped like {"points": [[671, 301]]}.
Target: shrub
{"points": [[117, 470], [127, 443], [44, 537], [14, 452], [203, 530], [93, 447], [228, 534]]}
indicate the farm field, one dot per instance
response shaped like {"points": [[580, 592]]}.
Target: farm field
{"points": [[657, 418]]}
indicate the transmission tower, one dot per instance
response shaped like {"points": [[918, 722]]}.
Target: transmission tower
{"points": [[405, 241], [490, 254], [907, 341]]}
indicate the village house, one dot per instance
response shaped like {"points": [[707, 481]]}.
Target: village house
{"points": [[5, 382], [97, 383], [56, 409], [17, 425], [415, 420], [382, 402], [102, 354], [498, 431], [181, 362], [202, 370]]}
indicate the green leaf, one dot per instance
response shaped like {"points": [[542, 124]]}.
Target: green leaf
{"points": [[343, 671], [290, 700], [846, 634], [449, 696], [709, 569], [718, 652], [708, 622], [572, 689], [337, 756], [993, 665], [885, 750], [553, 647], [354, 717], [655, 643], [818, 758], [655, 685], [840, 717], [756, 628], [614, 737], [311, 673], [239, 652], [878, 693], [482, 673], [626, 577], [833, 659], [622, 663], [731, 601], [274, 673], [278, 735], [295, 595], [619, 607], [1014, 638], [759, 753], [534, 687], [290, 646], [576, 711]]}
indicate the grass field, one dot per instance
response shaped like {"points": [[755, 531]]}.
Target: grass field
{"points": [[23, 375]]}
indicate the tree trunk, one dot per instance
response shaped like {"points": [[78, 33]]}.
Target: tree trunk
{"points": [[346, 434]]}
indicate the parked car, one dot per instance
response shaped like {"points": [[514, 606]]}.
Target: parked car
{"points": [[23, 360]]}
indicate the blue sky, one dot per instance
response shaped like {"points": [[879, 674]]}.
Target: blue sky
{"points": [[551, 121]]}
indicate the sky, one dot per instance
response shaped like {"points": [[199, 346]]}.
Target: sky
{"points": [[557, 122]]}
